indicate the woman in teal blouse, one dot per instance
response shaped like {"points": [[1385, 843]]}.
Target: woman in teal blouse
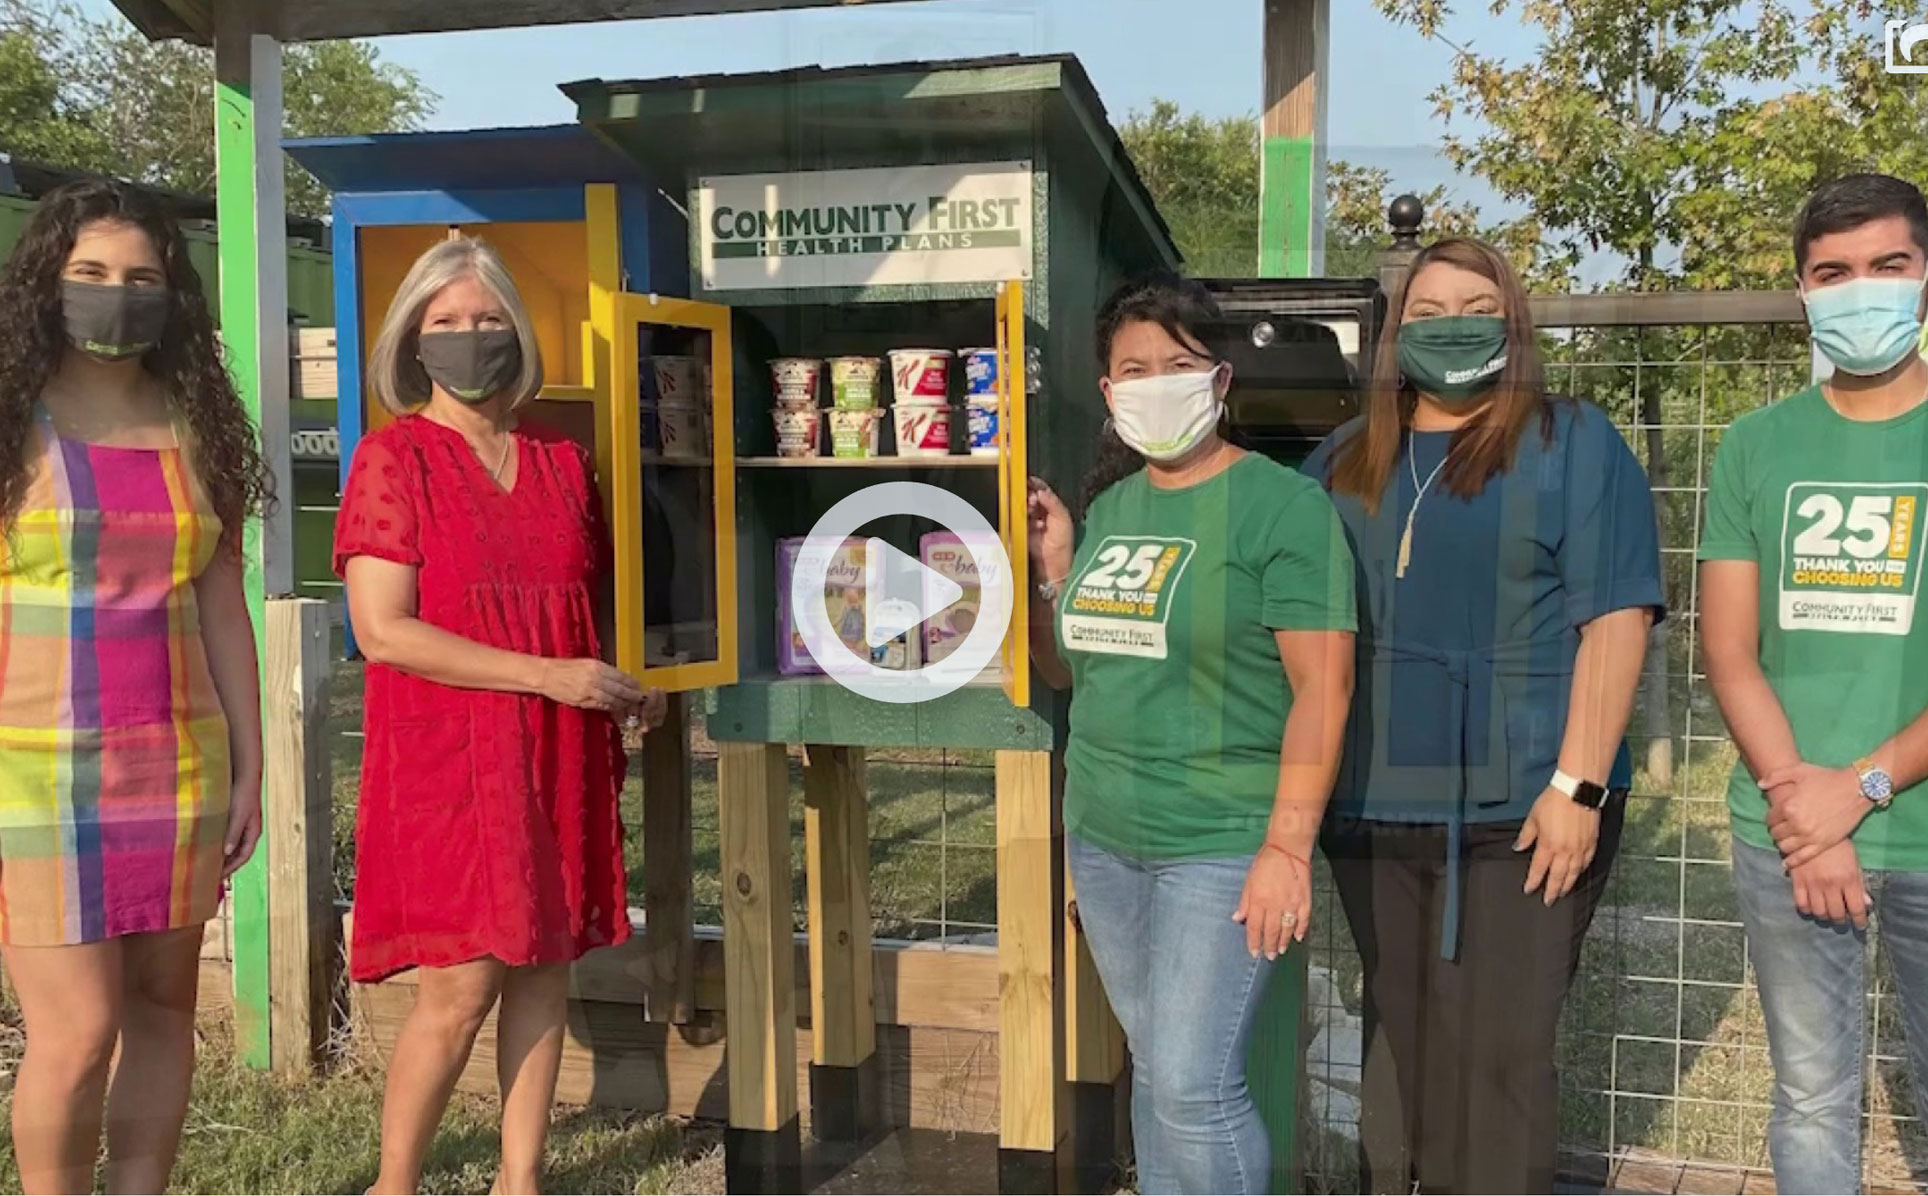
{"points": [[1508, 573]]}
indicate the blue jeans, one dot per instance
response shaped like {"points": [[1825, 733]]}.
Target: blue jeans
{"points": [[1813, 981], [1185, 988]]}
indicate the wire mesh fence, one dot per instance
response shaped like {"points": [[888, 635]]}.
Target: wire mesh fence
{"points": [[1662, 1053]]}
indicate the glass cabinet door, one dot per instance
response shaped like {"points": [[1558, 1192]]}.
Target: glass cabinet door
{"points": [[1014, 483], [668, 465]]}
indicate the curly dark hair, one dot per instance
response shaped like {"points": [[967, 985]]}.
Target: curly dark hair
{"points": [[187, 361]]}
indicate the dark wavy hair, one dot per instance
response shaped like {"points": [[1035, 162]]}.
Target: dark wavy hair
{"points": [[187, 361], [1185, 309]]}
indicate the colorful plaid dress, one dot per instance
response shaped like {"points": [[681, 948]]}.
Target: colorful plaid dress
{"points": [[113, 748]]}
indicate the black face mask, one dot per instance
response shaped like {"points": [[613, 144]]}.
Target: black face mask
{"points": [[113, 323], [474, 366]]}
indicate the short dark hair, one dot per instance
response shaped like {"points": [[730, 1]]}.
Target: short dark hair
{"points": [[1182, 306], [1854, 200]]}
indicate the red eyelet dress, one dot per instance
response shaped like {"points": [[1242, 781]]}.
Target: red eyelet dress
{"points": [[488, 824]]}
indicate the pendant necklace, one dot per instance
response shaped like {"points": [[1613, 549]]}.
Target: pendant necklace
{"points": [[1419, 492], [508, 442]]}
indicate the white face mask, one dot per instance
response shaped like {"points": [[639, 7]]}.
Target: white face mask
{"points": [[1165, 416]]}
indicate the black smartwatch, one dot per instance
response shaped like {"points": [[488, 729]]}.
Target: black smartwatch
{"points": [[1586, 793]]}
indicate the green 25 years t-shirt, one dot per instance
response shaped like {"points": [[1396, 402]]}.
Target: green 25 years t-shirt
{"points": [[1832, 510], [1178, 698]]}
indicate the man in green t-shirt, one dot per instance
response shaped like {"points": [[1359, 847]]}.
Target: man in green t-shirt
{"points": [[1812, 561]]}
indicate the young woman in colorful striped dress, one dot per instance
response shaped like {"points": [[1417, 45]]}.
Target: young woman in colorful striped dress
{"points": [[130, 725]]}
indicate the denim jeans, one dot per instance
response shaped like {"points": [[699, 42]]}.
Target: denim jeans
{"points": [[1185, 988], [1813, 982]]}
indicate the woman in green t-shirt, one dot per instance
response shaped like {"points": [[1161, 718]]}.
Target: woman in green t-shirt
{"points": [[1202, 616]]}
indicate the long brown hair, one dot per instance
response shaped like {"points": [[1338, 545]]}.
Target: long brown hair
{"points": [[1484, 447]]}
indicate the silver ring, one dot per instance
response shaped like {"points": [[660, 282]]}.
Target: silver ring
{"points": [[1289, 917]]}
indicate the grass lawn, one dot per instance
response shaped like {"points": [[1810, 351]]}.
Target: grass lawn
{"points": [[251, 1132]]}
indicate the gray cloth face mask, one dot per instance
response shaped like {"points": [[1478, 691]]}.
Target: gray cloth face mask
{"points": [[474, 365], [113, 323]]}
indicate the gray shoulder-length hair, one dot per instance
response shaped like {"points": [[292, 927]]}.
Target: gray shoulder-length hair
{"points": [[395, 374]]}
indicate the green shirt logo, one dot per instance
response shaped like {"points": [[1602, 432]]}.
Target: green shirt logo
{"points": [[1122, 601], [1851, 556]]}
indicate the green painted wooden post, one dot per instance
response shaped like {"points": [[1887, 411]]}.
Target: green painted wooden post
{"points": [[1292, 171], [254, 303], [1292, 245], [1291, 208]]}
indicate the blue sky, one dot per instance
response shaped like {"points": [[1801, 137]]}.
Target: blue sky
{"points": [[1207, 62]]}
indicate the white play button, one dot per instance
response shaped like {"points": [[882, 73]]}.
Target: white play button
{"points": [[910, 595], [900, 592]]}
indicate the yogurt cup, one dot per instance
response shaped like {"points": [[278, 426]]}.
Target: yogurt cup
{"points": [[680, 379], [921, 375], [853, 383], [923, 429], [854, 433], [798, 431], [980, 374], [681, 430], [796, 380], [982, 434]]}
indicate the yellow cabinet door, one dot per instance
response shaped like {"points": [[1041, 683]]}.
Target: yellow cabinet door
{"points": [[668, 462], [1014, 483]]}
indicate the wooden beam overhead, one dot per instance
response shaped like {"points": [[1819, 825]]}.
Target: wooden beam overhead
{"points": [[325, 20]]}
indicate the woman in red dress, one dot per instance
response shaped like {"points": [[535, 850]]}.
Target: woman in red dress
{"points": [[489, 849]]}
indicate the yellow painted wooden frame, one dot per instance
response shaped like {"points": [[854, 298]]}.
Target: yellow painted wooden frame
{"points": [[625, 489], [1014, 484], [616, 423]]}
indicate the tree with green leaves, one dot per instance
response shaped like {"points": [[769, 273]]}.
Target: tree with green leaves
{"points": [[36, 122], [1204, 175], [96, 95]]}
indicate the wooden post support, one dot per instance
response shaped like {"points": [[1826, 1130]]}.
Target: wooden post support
{"points": [[1292, 197], [669, 900], [762, 1148], [254, 311], [1032, 1094], [845, 1091], [297, 815], [1094, 1061]]}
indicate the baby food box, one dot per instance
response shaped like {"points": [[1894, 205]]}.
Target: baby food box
{"points": [[843, 598], [945, 553]]}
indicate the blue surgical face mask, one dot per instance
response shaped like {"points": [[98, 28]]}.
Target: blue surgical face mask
{"points": [[1868, 325]]}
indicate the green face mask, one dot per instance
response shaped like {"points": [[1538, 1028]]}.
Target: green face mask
{"points": [[1454, 358]]}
